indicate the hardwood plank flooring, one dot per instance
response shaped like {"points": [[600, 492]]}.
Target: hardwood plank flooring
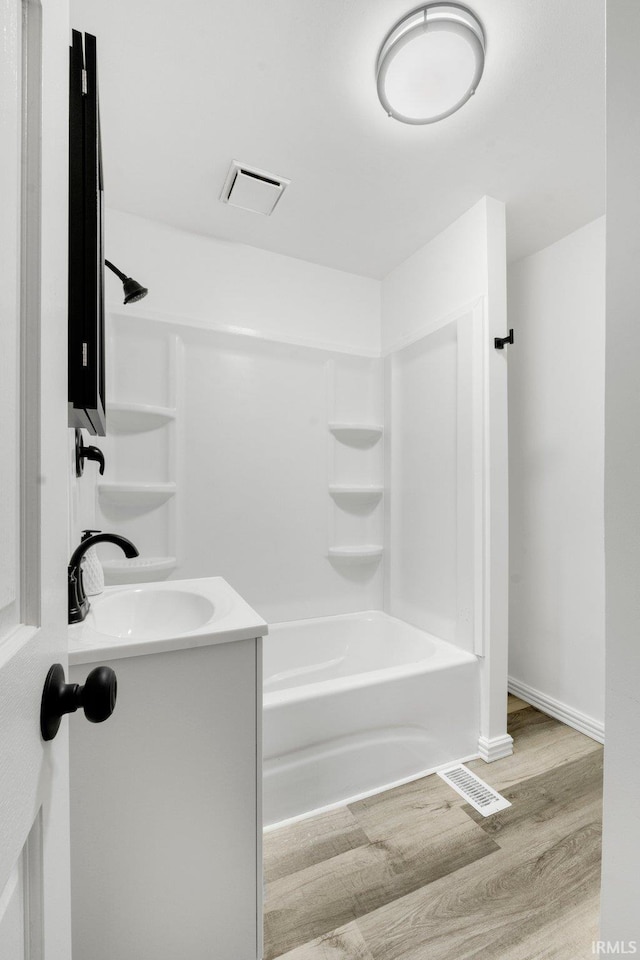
{"points": [[578, 930], [317, 900], [303, 844], [346, 943], [541, 743], [488, 909], [556, 798], [416, 874], [515, 703], [430, 811]]}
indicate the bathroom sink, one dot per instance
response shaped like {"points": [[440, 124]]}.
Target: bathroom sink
{"points": [[142, 618], [143, 614]]}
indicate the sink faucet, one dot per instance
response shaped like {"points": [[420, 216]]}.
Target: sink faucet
{"points": [[78, 603]]}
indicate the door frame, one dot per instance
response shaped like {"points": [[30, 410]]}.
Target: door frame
{"points": [[47, 454], [30, 313], [34, 803]]}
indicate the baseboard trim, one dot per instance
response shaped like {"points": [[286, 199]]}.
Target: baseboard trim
{"points": [[495, 748], [560, 711]]}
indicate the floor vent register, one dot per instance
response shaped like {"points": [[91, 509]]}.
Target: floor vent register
{"points": [[474, 790]]}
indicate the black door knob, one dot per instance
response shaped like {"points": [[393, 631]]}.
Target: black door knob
{"points": [[97, 698]]}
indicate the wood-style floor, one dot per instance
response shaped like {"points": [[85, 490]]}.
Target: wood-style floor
{"points": [[417, 874]]}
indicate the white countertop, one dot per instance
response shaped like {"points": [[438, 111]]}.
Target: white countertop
{"points": [[232, 619]]}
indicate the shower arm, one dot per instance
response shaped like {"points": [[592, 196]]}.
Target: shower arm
{"points": [[115, 270]]}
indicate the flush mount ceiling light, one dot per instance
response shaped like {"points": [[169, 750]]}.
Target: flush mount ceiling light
{"points": [[430, 63]]}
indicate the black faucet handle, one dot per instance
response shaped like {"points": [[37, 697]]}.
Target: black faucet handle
{"points": [[78, 605], [94, 453], [86, 453]]}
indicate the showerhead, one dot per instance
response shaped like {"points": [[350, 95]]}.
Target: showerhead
{"points": [[133, 290]]}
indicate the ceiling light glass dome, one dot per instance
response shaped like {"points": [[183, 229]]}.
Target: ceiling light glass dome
{"points": [[430, 63]]}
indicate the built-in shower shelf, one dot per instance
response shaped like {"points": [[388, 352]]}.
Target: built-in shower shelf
{"points": [[356, 494], [355, 433], [136, 494], [359, 554], [137, 417], [138, 569]]}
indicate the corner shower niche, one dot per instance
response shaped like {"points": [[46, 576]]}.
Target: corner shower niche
{"points": [[356, 465], [137, 496]]}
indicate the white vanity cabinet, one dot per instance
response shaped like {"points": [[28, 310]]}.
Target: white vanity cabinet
{"points": [[166, 819]]}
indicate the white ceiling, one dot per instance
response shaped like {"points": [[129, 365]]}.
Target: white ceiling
{"points": [[288, 86]]}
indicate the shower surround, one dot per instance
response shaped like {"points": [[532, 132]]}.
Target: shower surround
{"points": [[324, 475]]}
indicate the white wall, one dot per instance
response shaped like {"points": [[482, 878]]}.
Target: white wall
{"points": [[446, 274], [250, 453], [237, 339], [228, 284], [447, 500], [621, 841], [556, 469]]}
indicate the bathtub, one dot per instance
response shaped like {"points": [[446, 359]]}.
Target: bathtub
{"points": [[357, 703]]}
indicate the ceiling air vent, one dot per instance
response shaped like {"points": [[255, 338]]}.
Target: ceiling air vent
{"points": [[252, 189]]}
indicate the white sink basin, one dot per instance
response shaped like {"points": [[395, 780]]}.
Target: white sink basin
{"points": [[143, 618], [142, 614]]}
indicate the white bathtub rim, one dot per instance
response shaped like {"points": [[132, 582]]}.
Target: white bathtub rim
{"points": [[353, 615], [446, 656], [369, 793], [371, 614], [356, 681]]}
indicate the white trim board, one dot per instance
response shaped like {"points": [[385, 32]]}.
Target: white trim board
{"points": [[433, 325], [496, 748], [216, 326], [134, 312], [560, 711]]}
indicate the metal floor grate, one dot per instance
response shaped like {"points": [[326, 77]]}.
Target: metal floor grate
{"points": [[474, 790]]}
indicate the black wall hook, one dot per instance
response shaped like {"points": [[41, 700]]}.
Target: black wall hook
{"points": [[86, 453], [499, 342]]}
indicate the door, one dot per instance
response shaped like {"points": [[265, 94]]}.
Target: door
{"points": [[34, 843]]}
